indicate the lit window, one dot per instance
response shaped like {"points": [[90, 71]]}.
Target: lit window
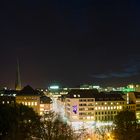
{"points": [[41, 105], [32, 103], [7, 102], [3, 102], [102, 108], [78, 95], [105, 103], [117, 107], [117, 103], [96, 103], [35, 103], [111, 107], [114, 107], [120, 107], [111, 103], [29, 103], [25, 103], [108, 108], [105, 108], [95, 108], [74, 95], [99, 108]]}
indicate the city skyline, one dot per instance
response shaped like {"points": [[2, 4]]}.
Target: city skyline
{"points": [[70, 43]]}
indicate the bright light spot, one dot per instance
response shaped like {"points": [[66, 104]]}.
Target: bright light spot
{"points": [[54, 87]]}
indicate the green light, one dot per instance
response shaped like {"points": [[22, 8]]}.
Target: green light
{"points": [[128, 89]]}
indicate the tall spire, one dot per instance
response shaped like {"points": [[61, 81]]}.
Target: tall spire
{"points": [[18, 80]]}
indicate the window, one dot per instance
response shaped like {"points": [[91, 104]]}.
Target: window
{"points": [[81, 109], [74, 95]]}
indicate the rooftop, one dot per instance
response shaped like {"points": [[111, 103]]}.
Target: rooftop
{"points": [[45, 100], [28, 91], [137, 94], [103, 96]]}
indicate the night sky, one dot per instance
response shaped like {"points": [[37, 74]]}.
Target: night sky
{"points": [[70, 42]]}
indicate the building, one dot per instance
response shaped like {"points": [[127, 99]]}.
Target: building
{"points": [[32, 98], [7, 100], [45, 104], [134, 98], [90, 105]]}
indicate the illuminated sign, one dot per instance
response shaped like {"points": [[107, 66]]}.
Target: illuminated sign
{"points": [[74, 109], [54, 87]]}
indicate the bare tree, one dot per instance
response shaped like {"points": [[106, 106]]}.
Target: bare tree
{"points": [[53, 128]]}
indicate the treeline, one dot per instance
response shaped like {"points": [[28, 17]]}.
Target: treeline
{"points": [[19, 122], [124, 127]]}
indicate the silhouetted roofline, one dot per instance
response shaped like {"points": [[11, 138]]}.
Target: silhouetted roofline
{"points": [[28, 91]]}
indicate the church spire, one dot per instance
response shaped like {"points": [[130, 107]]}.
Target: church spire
{"points": [[18, 80]]}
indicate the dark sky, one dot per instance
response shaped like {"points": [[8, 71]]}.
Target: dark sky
{"points": [[70, 42]]}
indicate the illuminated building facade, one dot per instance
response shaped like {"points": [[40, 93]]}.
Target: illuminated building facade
{"points": [[32, 98], [134, 97], [90, 105], [45, 104]]}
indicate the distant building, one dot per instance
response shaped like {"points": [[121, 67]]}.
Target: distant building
{"points": [[90, 105], [7, 100], [7, 96], [134, 87], [32, 98]]}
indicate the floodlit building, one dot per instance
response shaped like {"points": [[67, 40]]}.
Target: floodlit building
{"points": [[45, 104], [134, 97], [32, 98], [90, 105]]}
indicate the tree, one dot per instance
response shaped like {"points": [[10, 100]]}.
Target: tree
{"points": [[125, 125], [18, 122], [53, 128], [104, 132]]}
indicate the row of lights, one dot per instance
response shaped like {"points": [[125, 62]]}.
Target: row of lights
{"points": [[30, 103], [105, 108]]}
